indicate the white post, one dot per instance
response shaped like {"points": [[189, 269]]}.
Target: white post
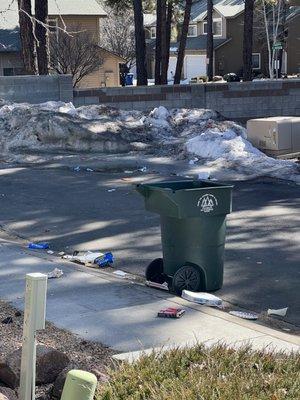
{"points": [[34, 319]]}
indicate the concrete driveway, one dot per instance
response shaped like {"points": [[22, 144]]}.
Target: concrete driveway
{"points": [[77, 210]]}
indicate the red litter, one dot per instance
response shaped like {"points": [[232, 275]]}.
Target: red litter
{"points": [[171, 313]]}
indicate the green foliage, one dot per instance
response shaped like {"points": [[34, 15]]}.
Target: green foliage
{"points": [[200, 373]]}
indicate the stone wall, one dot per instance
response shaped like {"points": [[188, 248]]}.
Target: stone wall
{"points": [[236, 100], [36, 89]]}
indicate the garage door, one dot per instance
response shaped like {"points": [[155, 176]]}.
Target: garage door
{"points": [[194, 66], [172, 67]]}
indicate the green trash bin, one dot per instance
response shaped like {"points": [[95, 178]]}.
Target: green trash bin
{"points": [[193, 230]]}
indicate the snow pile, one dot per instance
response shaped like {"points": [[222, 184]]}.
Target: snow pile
{"points": [[230, 149], [186, 133]]}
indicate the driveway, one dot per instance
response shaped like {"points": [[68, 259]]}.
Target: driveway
{"points": [[78, 210]]}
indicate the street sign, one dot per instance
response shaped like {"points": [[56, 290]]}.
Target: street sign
{"points": [[277, 46]]}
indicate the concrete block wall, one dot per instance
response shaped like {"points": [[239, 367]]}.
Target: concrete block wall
{"points": [[36, 89], [236, 100]]}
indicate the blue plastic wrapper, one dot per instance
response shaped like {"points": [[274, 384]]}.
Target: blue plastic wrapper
{"points": [[38, 246], [105, 260]]}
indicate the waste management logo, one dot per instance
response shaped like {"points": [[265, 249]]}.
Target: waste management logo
{"points": [[207, 203]]}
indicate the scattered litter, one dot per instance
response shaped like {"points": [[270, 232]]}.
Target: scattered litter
{"points": [[258, 262], [171, 313], [244, 315], [111, 190], [128, 172], [204, 175], [18, 314], [203, 298], [281, 312], [193, 161], [143, 169], [86, 256], [120, 273], [56, 273], [286, 329], [91, 257], [7, 320], [61, 253], [38, 246], [77, 169], [50, 252], [104, 260], [163, 286], [89, 170]]}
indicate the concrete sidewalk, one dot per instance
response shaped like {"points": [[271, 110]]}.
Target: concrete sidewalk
{"points": [[122, 314]]}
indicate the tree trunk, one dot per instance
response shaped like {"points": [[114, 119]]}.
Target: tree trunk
{"points": [[182, 43], [158, 43], [41, 33], [210, 41], [140, 43], [248, 40], [166, 55], [163, 41], [27, 37]]}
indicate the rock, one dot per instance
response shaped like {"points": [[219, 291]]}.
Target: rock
{"points": [[49, 363], [101, 377], [60, 381], [7, 393]]}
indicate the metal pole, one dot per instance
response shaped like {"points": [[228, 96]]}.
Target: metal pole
{"points": [[34, 319]]}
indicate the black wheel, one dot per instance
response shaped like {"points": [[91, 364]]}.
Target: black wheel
{"points": [[155, 271], [187, 277]]}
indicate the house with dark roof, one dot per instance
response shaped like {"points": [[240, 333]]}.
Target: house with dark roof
{"points": [[89, 15], [228, 25]]}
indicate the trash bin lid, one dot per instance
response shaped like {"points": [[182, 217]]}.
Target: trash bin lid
{"points": [[187, 198]]}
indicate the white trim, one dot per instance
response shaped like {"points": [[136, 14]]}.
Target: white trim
{"points": [[259, 61], [214, 20], [193, 26]]}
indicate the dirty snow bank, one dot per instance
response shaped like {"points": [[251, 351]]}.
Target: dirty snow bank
{"points": [[226, 148], [60, 127]]}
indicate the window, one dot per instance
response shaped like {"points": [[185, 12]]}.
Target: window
{"points": [[153, 32], [255, 60], [192, 32], [8, 71], [217, 27], [52, 22]]}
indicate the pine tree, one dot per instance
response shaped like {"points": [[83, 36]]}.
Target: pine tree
{"points": [[248, 39], [182, 43], [27, 37], [41, 33], [210, 41]]}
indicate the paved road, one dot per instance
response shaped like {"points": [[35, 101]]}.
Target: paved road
{"points": [[122, 315], [77, 211]]}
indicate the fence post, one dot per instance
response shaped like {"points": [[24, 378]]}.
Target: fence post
{"points": [[34, 319]]}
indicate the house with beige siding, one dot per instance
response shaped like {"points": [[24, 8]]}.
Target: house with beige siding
{"points": [[228, 26], [88, 15]]}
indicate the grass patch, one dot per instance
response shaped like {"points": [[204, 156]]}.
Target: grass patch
{"points": [[202, 373]]}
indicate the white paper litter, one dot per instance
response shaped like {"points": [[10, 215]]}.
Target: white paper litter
{"points": [[120, 273], [162, 286], [244, 315], [111, 190], [281, 311], [204, 298], [50, 252], [86, 257], [56, 273]]}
